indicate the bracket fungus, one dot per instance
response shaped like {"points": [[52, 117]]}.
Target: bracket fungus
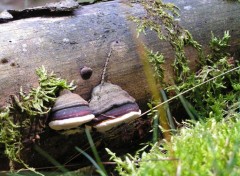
{"points": [[70, 111], [112, 106]]}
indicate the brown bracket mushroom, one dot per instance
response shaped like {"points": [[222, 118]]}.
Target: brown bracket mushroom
{"points": [[70, 111], [112, 106]]}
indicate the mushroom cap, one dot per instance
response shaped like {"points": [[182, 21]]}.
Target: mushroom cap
{"points": [[70, 111], [107, 96], [115, 112], [68, 99]]}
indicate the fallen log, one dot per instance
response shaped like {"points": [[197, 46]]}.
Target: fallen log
{"points": [[66, 44]]}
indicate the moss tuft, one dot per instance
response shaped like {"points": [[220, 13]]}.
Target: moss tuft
{"points": [[24, 116]]}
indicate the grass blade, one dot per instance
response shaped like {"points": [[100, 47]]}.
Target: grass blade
{"points": [[192, 109], [186, 105], [99, 169], [94, 150], [51, 159], [169, 115], [155, 128]]}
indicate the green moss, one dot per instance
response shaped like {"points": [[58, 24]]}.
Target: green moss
{"points": [[213, 98], [218, 97], [10, 135], [161, 18], [209, 148], [26, 112], [157, 60]]}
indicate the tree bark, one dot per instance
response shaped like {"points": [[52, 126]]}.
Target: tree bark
{"points": [[65, 44]]}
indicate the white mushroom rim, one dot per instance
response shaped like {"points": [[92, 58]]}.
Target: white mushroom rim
{"points": [[109, 124], [70, 123]]}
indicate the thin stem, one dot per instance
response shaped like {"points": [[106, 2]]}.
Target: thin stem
{"points": [[105, 66]]}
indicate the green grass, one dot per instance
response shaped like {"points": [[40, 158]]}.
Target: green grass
{"points": [[200, 148]]}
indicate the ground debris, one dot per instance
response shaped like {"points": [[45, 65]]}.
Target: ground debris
{"points": [[62, 8]]}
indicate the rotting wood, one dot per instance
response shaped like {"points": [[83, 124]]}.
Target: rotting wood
{"points": [[66, 44]]}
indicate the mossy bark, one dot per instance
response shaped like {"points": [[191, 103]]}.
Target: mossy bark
{"points": [[66, 44]]}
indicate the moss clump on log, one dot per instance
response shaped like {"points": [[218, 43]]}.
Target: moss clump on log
{"points": [[161, 18], [24, 117]]}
